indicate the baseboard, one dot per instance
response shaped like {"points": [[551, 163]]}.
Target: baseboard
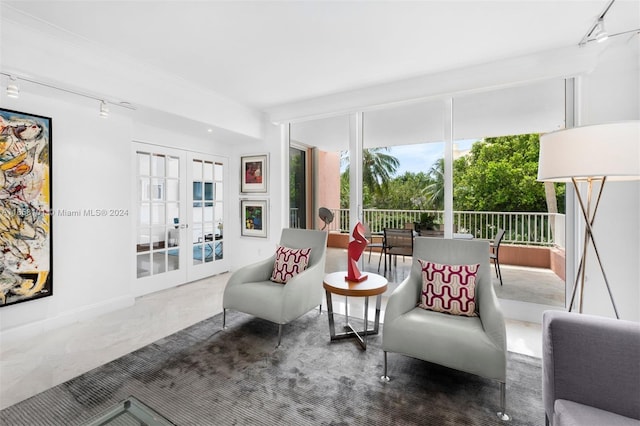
{"points": [[37, 328]]}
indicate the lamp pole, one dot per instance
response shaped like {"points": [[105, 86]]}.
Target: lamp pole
{"points": [[589, 219]]}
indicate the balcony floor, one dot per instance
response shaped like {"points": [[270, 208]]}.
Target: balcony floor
{"points": [[526, 284]]}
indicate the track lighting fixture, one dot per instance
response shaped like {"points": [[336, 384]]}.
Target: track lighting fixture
{"points": [[104, 109], [13, 90], [599, 33]]}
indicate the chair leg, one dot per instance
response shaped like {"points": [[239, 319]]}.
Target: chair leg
{"points": [[224, 318], [320, 309], [499, 271], [279, 335], [502, 414], [385, 377]]}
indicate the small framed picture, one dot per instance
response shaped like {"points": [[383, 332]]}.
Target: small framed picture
{"points": [[254, 218], [254, 173]]}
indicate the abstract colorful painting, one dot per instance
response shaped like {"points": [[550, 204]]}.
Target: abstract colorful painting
{"points": [[25, 207], [254, 218], [254, 173]]}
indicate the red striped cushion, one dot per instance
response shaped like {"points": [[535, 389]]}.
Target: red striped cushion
{"points": [[289, 263], [449, 288]]}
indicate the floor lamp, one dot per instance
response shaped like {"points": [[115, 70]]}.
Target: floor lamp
{"points": [[593, 155]]}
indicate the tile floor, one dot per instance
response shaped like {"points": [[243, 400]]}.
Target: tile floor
{"points": [[33, 365]]}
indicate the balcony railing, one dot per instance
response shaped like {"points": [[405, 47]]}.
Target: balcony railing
{"points": [[539, 229]]}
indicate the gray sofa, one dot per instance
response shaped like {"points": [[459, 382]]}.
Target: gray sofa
{"points": [[251, 291], [590, 370]]}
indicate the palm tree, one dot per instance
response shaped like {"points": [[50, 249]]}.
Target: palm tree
{"points": [[434, 191], [378, 168]]}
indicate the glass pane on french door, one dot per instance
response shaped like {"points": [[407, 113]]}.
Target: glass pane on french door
{"points": [[207, 198], [159, 245]]}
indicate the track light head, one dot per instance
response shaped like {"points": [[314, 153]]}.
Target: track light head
{"points": [[104, 109], [13, 90], [599, 33]]}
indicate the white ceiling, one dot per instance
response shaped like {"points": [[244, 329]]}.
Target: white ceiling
{"points": [[269, 53]]}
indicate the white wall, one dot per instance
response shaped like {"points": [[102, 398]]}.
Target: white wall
{"points": [[611, 92], [34, 49], [91, 264], [251, 249], [93, 256]]}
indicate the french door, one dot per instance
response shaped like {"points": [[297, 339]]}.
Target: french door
{"points": [[180, 215]]}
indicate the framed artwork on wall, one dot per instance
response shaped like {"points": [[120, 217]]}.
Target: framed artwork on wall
{"points": [[254, 176], [254, 218], [25, 207]]}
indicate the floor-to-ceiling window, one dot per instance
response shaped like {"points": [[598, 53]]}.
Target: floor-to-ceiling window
{"points": [[414, 157], [403, 146], [315, 155], [494, 178]]}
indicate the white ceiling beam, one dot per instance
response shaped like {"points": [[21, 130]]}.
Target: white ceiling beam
{"points": [[557, 63]]}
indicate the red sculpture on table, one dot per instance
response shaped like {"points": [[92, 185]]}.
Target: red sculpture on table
{"points": [[356, 247]]}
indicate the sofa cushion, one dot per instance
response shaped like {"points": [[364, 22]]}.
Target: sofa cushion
{"points": [[569, 413], [289, 263], [448, 288]]}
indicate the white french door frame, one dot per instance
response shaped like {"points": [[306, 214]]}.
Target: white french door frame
{"points": [[163, 218], [206, 215]]}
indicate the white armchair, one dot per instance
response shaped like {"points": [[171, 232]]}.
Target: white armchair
{"points": [[251, 291], [474, 344]]}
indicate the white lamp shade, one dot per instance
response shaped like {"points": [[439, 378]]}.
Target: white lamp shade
{"points": [[611, 150]]}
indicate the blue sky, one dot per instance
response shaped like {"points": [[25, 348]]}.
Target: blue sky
{"points": [[420, 157], [417, 158]]}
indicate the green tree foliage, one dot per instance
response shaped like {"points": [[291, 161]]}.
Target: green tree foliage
{"points": [[403, 193], [500, 175], [378, 169]]}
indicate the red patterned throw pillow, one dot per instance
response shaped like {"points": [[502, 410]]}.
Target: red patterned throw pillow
{"points": [[449, 288], [289, 263]]}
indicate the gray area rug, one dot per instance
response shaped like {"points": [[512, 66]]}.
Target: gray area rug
{"points": [[207, 376]]}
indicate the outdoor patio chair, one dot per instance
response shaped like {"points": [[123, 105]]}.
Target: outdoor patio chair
{"points": [[494, 255], [250, 289], [371, 245], [397, 242]]}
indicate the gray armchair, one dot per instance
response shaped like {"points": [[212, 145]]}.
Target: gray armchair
{"points": [[475, 345], [251, 291], [590, 370]]}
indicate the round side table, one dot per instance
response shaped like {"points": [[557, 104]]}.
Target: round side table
{"points": [[374, 285]]}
